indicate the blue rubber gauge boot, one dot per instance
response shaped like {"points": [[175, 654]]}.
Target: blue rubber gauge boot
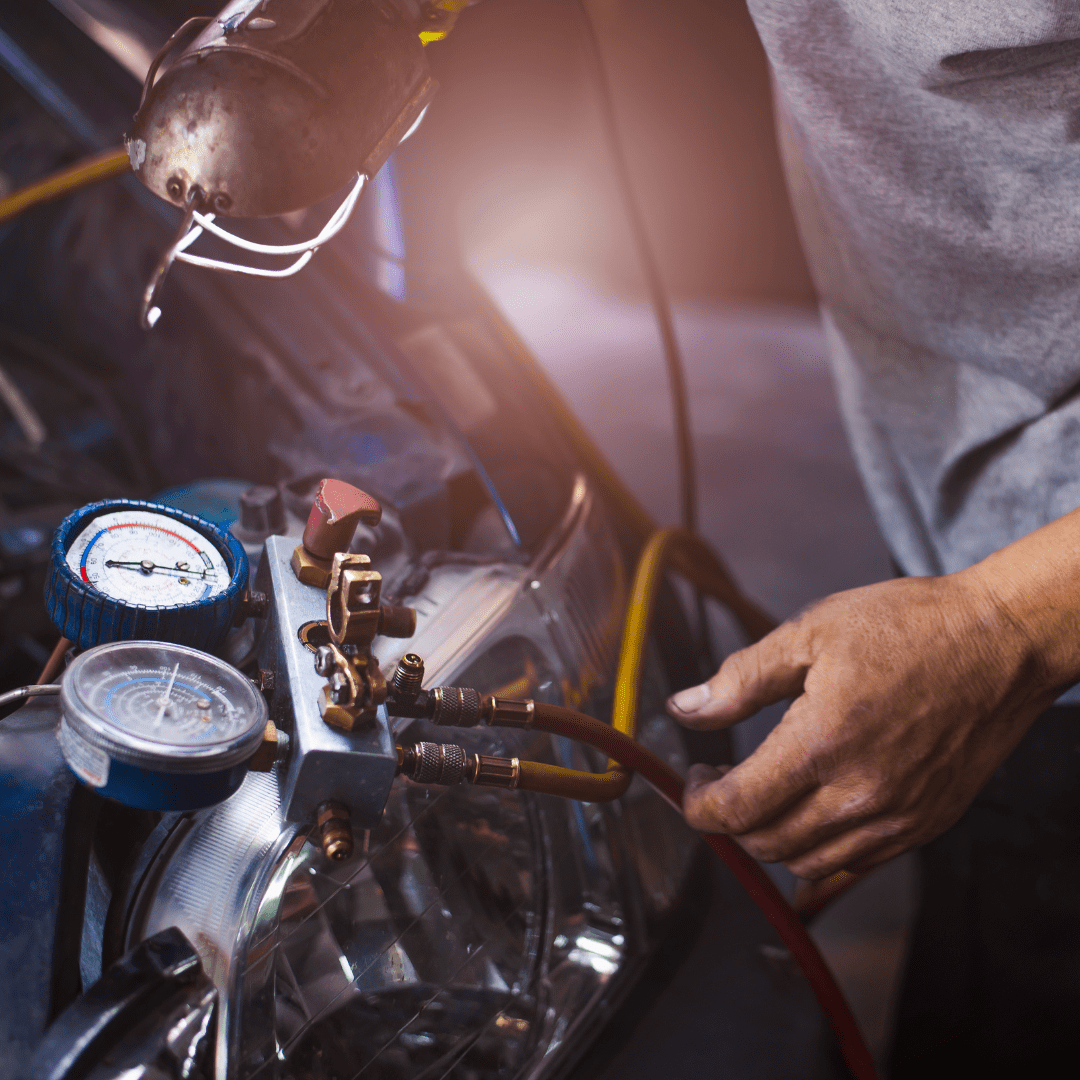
{"points": [[159, 726], [124, 570]]}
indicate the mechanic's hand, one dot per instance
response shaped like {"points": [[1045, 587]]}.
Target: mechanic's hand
{"points": [[908, 695]]}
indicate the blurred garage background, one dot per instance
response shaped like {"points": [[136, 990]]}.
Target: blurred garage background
{"points": [[520, 172]]}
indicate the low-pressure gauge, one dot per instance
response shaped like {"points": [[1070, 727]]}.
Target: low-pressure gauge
{"points": [[159, 726], [122, 570]]}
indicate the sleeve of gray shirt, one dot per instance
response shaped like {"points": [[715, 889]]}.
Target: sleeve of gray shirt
{"points": [[933, 156]]}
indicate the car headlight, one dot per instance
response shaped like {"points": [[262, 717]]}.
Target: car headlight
{"points": [[473, 930]]}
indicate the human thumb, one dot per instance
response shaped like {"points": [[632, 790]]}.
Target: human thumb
{"points": [[747, 681]]}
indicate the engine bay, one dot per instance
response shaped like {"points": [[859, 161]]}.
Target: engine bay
{"points": [[480, 928]]}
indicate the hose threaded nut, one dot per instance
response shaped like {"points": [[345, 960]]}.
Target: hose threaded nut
{"points": [[455, 706], [494, 771], [504, 712], [433, 763]]}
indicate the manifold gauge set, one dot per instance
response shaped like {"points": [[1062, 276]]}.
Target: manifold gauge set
{"points": [[153, 714]]}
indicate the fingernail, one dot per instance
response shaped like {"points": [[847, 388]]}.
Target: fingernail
{"points": [[692, 699]]}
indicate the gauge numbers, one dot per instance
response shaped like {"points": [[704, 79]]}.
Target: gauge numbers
{"points": [[177, 698], [140, 557], [166, 706], [159, 726]]}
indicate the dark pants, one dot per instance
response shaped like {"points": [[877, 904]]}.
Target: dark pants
{"points": [[992, 986]]}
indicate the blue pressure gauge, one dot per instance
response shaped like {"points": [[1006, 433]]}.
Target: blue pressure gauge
{"points": [[159, 726], [123, 570]]}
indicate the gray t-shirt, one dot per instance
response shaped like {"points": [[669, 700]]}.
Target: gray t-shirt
{"points": [[933, 152]]}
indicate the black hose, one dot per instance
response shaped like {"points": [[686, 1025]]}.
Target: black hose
{"points": [[653, 278]]}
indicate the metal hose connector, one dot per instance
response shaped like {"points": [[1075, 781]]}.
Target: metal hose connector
{"points": [[455, 706], [335, 831], [433, 763], [446, 764], [409, 676], [24, 693]]}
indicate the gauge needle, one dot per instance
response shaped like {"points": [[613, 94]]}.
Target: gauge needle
{"points": [[148, 567], [163, 701]]}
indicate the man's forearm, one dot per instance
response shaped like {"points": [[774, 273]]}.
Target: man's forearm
{"points": [[1035, 583]]}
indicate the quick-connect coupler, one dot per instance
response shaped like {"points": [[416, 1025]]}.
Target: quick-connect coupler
{"points": [[451, 706], [433, 763], [447, 706], [446, 764]]}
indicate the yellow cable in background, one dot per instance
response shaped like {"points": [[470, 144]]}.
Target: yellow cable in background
{"points": [[88, 171], [688, 555], [443, 14]]}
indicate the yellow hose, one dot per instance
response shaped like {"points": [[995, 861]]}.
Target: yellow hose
{"points": [[572, 783], [690, 556], [88, 171]]}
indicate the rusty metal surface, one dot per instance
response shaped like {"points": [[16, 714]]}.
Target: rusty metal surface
{"points": [[275, 105]]}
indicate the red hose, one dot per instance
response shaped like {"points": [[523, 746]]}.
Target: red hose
{"points": [[628, 752]]}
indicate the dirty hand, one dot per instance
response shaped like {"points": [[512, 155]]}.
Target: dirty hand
{"points": [[908, 695]]}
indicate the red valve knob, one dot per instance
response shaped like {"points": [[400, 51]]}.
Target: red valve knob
{"points": [[335, 513]]}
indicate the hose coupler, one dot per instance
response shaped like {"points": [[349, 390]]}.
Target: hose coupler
{"points": [[454, 706], [433, 763], [505, 712], [497, 772], [446, 764]]}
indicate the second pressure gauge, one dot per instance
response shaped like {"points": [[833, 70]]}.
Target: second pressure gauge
{"points": [[123, 570], [159, 726]]}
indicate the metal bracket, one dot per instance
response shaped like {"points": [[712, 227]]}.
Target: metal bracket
{"points": [[354, 768]]}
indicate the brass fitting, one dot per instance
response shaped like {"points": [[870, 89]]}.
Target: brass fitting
{"points": [[397, 621], [273, 741], [335, 831], [409, 676], [497, 772], [502, 712], [310, 569]]}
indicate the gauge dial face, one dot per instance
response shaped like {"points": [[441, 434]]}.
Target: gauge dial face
{"points": [[182, 700], [140, 557]]}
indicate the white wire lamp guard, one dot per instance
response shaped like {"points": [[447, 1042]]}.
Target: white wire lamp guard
{"points": [[195, 223]]}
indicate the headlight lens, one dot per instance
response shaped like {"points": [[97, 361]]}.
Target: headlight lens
{"points": [[424, 950], [474, 931]]}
